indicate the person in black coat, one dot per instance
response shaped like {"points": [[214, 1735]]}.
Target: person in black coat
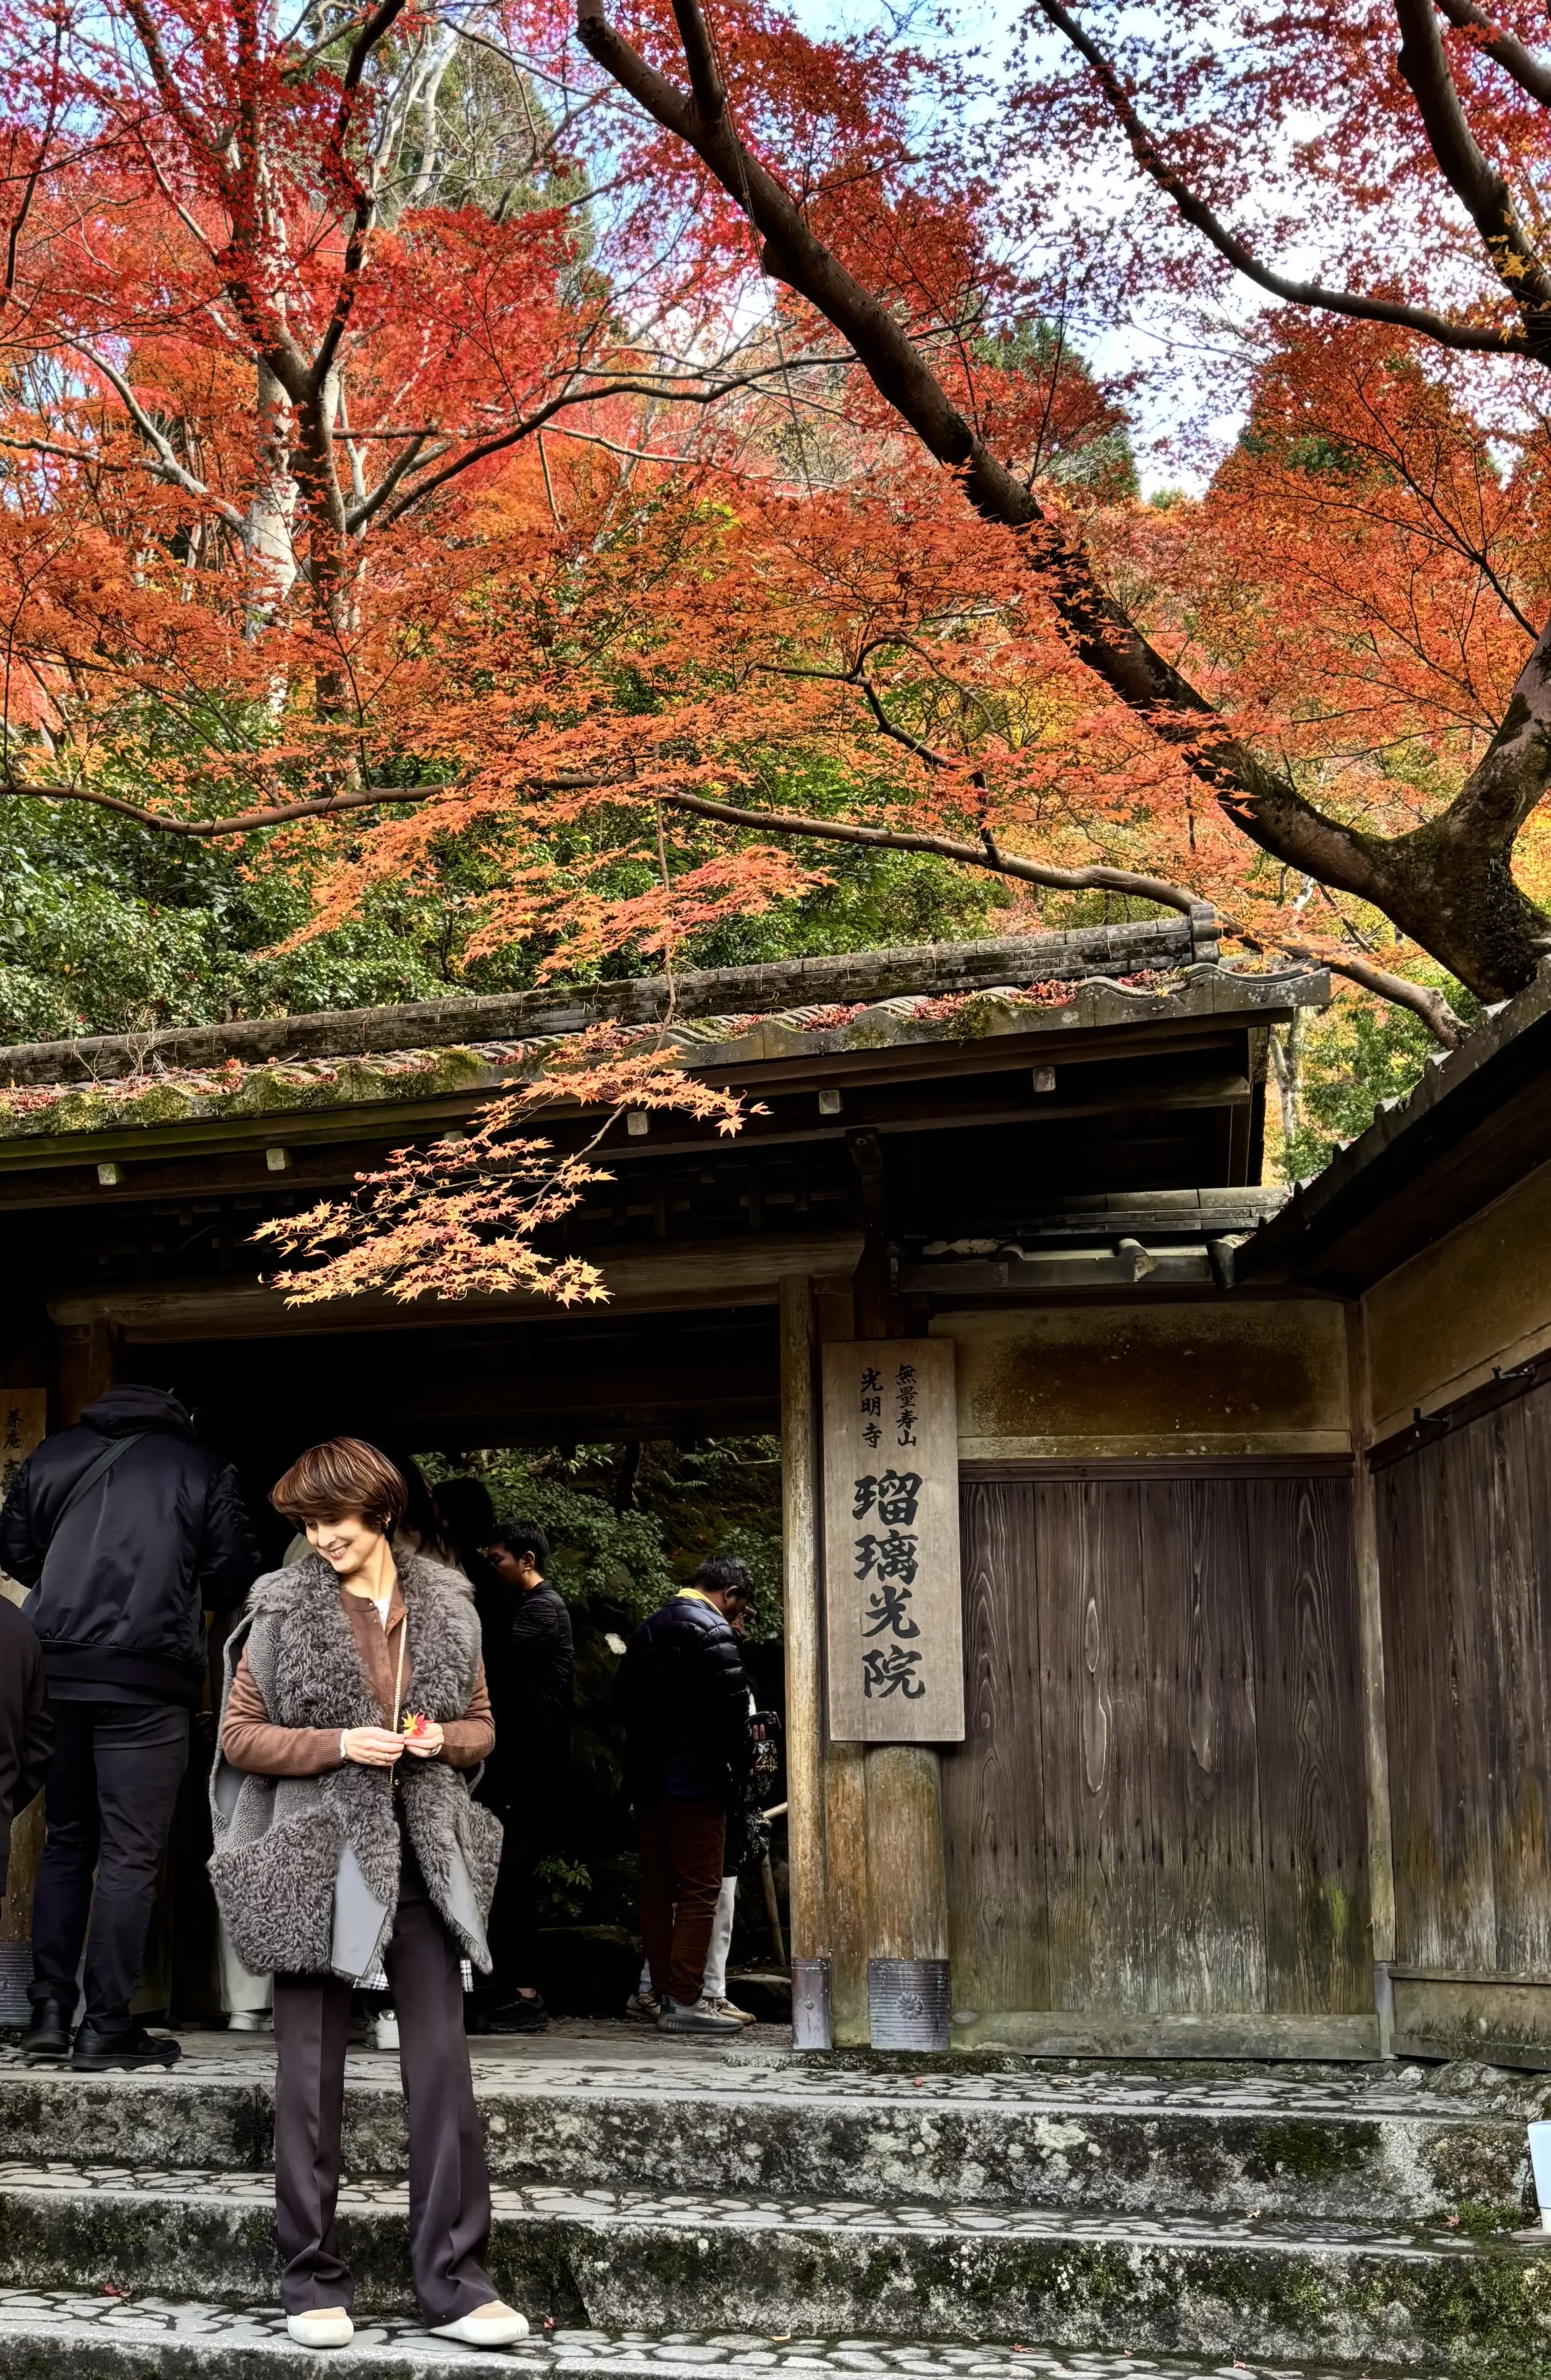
{"points": [[685, 1698], [126, 1530], [530, 1656], [26, 1725]]}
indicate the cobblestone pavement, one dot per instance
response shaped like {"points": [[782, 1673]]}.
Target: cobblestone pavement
{"points": [[151, 2324], [686, 2210], [609, 2058]]}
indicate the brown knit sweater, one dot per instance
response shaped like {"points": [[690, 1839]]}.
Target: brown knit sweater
{"points": [[251, 1740]]}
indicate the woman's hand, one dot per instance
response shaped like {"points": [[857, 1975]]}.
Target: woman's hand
{"points": [[428, 1742], [373, 1747]]}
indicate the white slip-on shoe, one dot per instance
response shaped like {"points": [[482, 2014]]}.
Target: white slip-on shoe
{"points": [[321, 2326], [489, 2325]]}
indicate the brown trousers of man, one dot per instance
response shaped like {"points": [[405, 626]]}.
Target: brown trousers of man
{"points": [[681, 1880], [449, 2185]]}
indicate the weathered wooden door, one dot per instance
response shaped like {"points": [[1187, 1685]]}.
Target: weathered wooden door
{"points": [[1464, 1525], [1158, 1808]]}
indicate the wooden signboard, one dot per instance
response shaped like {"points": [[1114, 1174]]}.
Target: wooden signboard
{"points": [[893, 1630]]}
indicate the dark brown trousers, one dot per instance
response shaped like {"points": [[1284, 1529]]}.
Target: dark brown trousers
{"points": [[449, 2187], [681, 1881]]}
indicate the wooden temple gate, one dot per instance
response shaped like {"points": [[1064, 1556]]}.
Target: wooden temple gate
{"points": [[1244, 1750]]}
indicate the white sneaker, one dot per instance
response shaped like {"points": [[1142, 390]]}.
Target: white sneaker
{"points": [[488, 2326], [324, 2327], [250, 2021], [643, 2007], [720, 2005], [384, 2031]]}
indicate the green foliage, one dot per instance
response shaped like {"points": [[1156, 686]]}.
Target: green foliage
{"points": [[627, 1524], [564, 1885], [1356, 1055], [108, 927]]}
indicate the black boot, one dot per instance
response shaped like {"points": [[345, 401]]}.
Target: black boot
{"points": [[520, 2016], [130, 2047], [48, 2035]]}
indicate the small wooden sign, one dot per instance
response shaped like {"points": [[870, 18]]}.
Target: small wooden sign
{"points": [[894, 1634]]}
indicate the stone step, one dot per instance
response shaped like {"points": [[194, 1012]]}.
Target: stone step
{"points": [[1229, 2287], [56, 2337], [1329, 2143]]}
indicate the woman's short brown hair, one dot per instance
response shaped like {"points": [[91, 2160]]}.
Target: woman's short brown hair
{"points": [[342, 1476]]}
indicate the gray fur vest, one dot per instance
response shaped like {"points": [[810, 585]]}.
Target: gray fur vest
{"points": [[306, 1869]]}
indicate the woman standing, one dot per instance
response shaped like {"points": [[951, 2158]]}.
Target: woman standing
{"points": [[346, 1839]]}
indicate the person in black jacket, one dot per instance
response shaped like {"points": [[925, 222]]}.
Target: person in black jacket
{"points": [[686, 1704], [26, 1725], [126, 1529], [528, 1661]]}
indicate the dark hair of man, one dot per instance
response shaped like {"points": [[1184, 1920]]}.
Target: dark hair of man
{"points": [[343, 1476], [465, 1511], [524, 1540], [725, 1574]]}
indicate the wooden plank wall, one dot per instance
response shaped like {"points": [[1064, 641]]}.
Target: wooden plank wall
{"points": [[1158, 1806], [1464, 1528]]}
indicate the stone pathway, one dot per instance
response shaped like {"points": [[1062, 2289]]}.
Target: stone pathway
{"points": [[151, 2326], [613, 2059], [658, 2211]]}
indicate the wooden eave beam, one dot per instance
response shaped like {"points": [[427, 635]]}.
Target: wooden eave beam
{"points": [[330, 1147], [743, 1268], [1425, 1175]]}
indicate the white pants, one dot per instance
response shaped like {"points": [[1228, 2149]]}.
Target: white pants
{"points": [[715, 1985], [240, 1991]]}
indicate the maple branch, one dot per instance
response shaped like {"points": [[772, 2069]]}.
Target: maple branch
{"points": [[1422, 1000], [166, 465], [357, 797], [965, 855], [1532, 74], [375, 30], [1472, 916], [168, 88], [668, 392], [1481, 189], [865, 686], [1469, 338]]}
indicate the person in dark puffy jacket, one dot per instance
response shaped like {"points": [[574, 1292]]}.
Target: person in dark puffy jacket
{"points": [[126, 1529], [530, 1656], [686, 1699]]}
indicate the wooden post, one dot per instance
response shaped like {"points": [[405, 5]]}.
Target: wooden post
{"points": [[845, 1791], [1370, 1621], [87, 1365], [902, 1783], [907, 1883], [846, 1825], [804, 1705]]}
